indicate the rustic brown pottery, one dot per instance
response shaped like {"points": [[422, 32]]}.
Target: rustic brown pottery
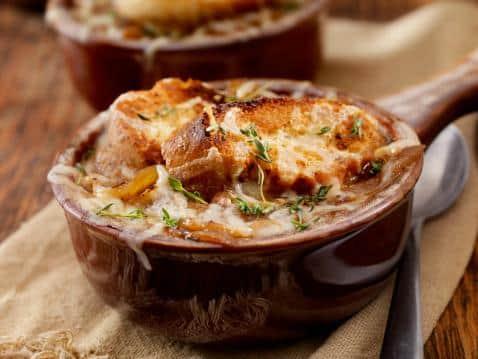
{"points": [[205, 293], [102, 68]]}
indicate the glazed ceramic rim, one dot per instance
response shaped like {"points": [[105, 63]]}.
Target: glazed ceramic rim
{"points": [[70, 28], [321, 235]]}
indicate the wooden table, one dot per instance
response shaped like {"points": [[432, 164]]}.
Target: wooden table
{"points": [[39, 110]]}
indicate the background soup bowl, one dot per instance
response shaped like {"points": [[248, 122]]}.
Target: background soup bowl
{"points": [[102, 68]]}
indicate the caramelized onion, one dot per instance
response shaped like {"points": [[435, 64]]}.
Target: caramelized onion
{"points": [[143, 180]]}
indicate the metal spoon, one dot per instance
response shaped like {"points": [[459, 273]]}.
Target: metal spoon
{"points": [[444, 176]]}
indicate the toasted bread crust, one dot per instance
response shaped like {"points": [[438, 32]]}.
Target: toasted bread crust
{"points": [[141, 120]]}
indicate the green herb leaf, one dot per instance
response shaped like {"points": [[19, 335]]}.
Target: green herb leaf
{"points": [[251, 209], [134, 214], [299, 225], [356, 130], [150, 30], [231, 99], [177, 186], [321, 195], [262, 148], [168, 220], [166, 110], [310, 200], [142, 117], [376, 166], [104, 210], [296, 206], [324, 130], [215, 127], [243, 206], [250, 131]]}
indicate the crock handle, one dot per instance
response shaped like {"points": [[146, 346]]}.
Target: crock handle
{"points": [[431, 106]]}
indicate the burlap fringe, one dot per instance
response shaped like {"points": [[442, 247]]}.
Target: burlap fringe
{"points": [[49, 345]]}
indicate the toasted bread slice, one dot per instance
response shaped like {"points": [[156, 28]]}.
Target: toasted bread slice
{"points": [[299, 144], [140, 121]]}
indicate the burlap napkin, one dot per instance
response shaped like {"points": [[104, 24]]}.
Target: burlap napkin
{"points": [[42, 288]]}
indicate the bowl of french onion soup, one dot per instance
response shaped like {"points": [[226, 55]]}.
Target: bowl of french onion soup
{"points": [[240, 210], [113, 46]]}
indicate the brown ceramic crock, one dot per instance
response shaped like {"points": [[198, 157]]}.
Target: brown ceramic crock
{"points": [[102, 68], [255, 291]]}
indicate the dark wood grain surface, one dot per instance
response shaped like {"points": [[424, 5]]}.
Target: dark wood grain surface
{"points": [[39, 110]]}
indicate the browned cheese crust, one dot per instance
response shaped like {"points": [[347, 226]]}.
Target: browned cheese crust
{"points": [[208, 161]]}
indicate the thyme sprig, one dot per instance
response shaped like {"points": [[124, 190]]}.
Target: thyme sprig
{"points": [[372, 168], [299, 225], [134, 214], [250, 131], [166, 110], [82, 171], [309, 200], [250, 209], [296, 208], [231, 99], [321, 194], [262, 148], [323, 130], [356, 130], [150, 30], [177, 186], [168, 220], [376, 167]]}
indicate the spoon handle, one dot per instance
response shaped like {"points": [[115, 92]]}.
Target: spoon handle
{"points": [[431, 106], [403, 335]]}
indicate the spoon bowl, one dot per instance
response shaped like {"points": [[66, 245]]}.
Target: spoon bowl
{"points": [[444, 174]]}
